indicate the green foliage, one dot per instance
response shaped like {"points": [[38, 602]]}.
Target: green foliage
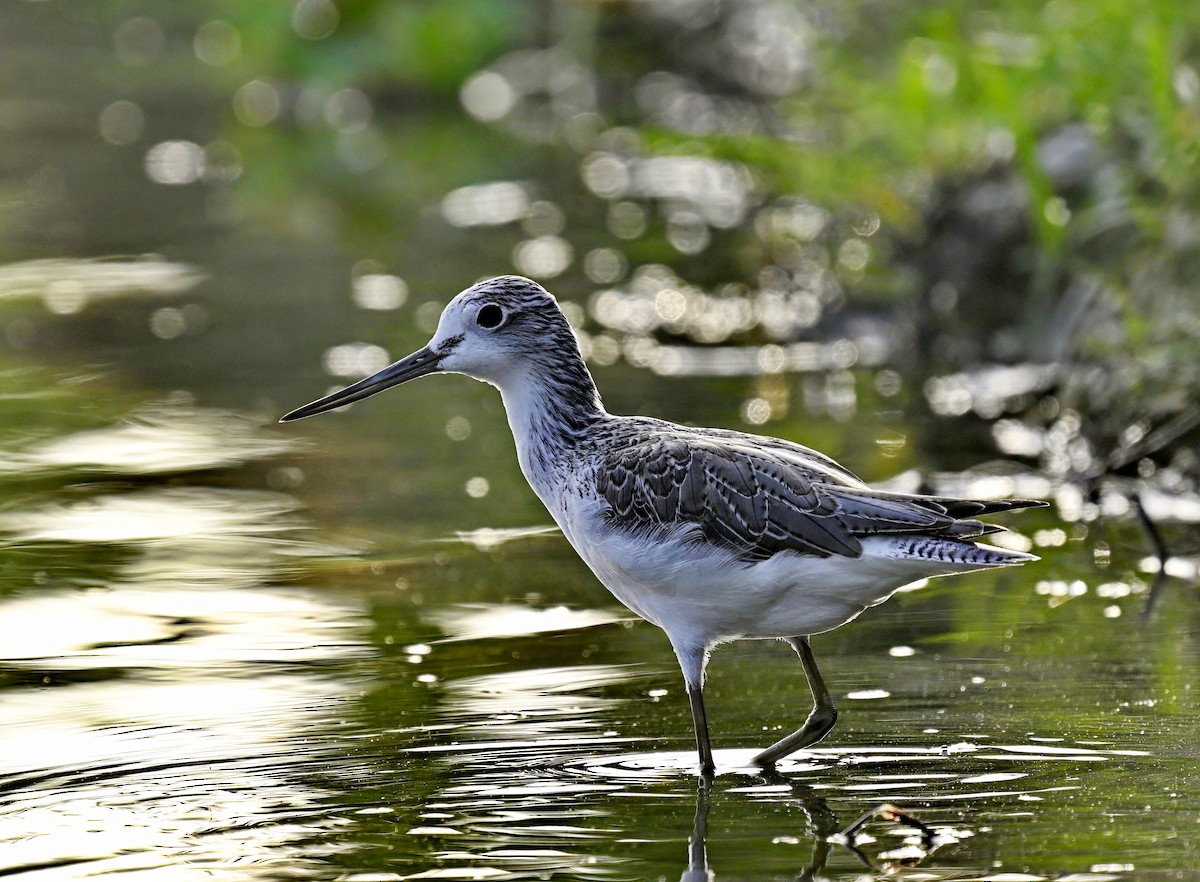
{"points": [[926, 98], [421, 46]]}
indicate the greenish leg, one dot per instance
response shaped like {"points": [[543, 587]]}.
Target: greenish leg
{"points": [[820, 720]]}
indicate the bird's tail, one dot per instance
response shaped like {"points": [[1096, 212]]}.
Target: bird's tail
{"points": [[954, 555]]}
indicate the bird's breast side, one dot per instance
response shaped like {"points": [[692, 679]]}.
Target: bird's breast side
{"points": [[700, 593], [570, 498]]}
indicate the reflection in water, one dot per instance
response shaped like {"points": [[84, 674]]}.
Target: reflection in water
{"points": [[821, 824]]}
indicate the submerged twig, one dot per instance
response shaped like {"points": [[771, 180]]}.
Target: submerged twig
{"points": [[889, 812], [1160, 549]]}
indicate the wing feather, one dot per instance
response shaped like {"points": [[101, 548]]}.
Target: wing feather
{"points": [[759, 500]]}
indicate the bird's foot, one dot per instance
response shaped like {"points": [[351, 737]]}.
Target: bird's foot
{"points": [[819, 723]]}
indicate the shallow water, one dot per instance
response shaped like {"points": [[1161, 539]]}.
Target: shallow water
{"points": [[200, 679], [355, 648]]}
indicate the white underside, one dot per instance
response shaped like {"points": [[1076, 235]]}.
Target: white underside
{"points": [[701, 594]]}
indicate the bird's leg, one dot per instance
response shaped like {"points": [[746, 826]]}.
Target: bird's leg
{"points": [[692, 660], [700, 721], [820, 720]]}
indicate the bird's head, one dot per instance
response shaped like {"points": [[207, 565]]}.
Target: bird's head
{"points": [[493, 331]]}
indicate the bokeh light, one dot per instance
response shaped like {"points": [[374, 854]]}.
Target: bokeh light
{"points": [[122, 122], [315, 19]]}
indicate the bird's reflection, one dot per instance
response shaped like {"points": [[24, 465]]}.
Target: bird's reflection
{"points": [[822, 825]]}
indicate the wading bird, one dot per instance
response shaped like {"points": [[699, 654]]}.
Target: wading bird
{"points": [[711, 534]]}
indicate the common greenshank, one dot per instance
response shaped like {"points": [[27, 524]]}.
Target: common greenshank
{"points": [[711, 534]]}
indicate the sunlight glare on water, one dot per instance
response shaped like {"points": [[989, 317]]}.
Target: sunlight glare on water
{"points": [[160, 710], [156, 440], [170, 769], [488, 621], [68, 286]]}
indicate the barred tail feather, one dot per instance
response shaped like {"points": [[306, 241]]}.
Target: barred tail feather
{"points": [[951, 555], [1001, 557]]}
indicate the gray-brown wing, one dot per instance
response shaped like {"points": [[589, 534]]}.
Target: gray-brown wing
{"points": [[754, 503]]}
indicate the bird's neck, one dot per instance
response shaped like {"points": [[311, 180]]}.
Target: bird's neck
{"points": [[550, 408]]}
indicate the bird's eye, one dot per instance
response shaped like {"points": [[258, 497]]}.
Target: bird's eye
{"points": [[490, 316]]}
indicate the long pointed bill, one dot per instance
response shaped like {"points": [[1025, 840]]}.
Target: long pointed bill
{"points": [[422, 362]]}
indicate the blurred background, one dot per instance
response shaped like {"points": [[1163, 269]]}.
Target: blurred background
{"points": [[955, 245]]}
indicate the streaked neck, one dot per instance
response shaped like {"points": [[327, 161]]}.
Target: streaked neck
{"points": [[550, 407]]}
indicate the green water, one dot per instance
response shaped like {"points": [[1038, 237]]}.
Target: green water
{"points": [[353, 649]]}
